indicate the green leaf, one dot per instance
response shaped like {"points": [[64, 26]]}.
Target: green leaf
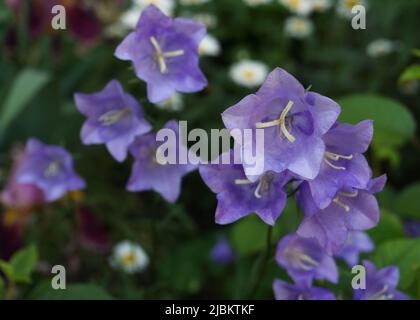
{"points": [[249, 235], [2, 288], [76, 291], [404, 254], [408, 202], [416, 53], [23, 263], [393, 123], [24, 89], [411, 73], [7, 269], [389, 227]]}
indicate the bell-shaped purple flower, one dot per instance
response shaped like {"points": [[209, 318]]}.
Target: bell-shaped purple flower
{"points": [[293, 121], [380, 284], [356, 243], [222, 253], [113, 118], [238, 196], [164, 52], [343, 163], [350, 210], [148, 172], [50, 168], [304, 259], [300, 291]]}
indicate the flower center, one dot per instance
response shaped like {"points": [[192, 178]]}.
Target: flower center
{"points": [[335, 157], [52, 169], [282, 121], [111, 117], [338, 201], [301, 260], [263, 184], [128, 259], [249, 74], [160, 55]]}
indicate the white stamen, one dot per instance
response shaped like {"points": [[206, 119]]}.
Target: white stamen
{"points": [[160, 55], [338, 202], [110, 117], [280, 121], [52, 169], [335, 157], [349, 195]]}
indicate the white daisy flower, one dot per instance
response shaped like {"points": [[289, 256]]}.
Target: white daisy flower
{"points": [[380, 47], [174, 103], [129, 257], [298, 27], [254, 3], [321, 5], [209, 46], [130, 17], [344, 7], [248, 73], [299, 7]]}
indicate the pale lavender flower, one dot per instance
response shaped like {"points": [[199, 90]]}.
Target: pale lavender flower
{"points": [[149, 174], [356, 243], [164, 52], [114, 118], [50, 168], [380, 284], [300, 291]]}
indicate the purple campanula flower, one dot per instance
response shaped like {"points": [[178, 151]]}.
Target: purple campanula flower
{"points": [[357, 242], [304, 259], [300, 291], [238, 197], [113, 117], [412, 228], [343, 164], [50, 168], [351, 210], [165, 54], [149, 174], [293, 120], [222, 253], [380, 284]]}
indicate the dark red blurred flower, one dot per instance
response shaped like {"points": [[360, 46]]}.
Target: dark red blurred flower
{"points": [[92, 233]]}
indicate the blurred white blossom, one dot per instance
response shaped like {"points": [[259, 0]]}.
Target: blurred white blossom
{"points": [[380, 47], [129, 257], [298, 27], [321, 5], [174, 103], [299, 7], [248, 73], [209, 46], [344, 7]]}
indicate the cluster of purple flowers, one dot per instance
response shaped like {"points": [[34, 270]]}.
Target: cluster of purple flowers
{"points": [[164, 52], [305, 147]]}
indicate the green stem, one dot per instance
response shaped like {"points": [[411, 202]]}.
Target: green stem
{"points": [[261, 264]]}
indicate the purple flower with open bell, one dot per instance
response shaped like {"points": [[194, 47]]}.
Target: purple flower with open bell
{"points": [[343, 163], [164, 52], [380, 284], [113, 118], [238, 196], [50, 168], [293, 119], [300, 291], [350, 210], [304, 259], [356, 243], [148, 172]]}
